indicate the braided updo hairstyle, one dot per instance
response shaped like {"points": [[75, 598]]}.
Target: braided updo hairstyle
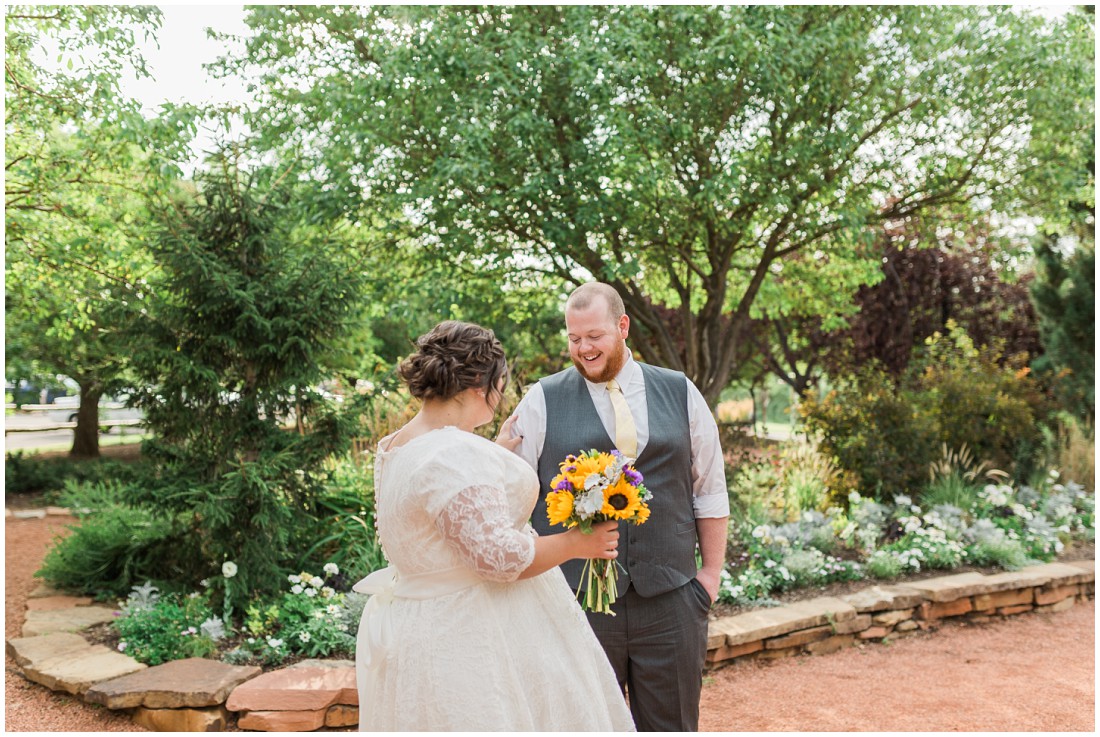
{"points": [[452, 357]]}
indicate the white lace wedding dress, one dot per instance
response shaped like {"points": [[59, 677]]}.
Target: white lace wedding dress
{"points": [[451, 640]]}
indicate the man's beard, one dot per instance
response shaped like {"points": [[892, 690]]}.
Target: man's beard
{"points": [[611, 369]]}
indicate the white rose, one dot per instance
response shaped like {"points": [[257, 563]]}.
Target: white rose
{"points": [[332, 569], [229, 569]]}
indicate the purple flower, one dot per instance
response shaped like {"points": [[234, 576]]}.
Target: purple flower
{"points": [[633, 477], [564, 485], [571, 469]]}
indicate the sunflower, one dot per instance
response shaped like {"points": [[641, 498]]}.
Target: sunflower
{"points": [[559, 507], [621, 500], [578, 468]]}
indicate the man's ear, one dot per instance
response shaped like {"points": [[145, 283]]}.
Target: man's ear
{"points": [[624, 326]]}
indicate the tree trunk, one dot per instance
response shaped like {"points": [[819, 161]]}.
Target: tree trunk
{"points": [[86, 434]]}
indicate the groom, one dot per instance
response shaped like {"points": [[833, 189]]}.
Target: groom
{"points": [[657, 641]]}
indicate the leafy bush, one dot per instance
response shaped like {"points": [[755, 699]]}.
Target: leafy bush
{"points": [[799, 479], [154, 631], [312, 619], [955, 395], [28, 474], [885, 564], [1070, 447], [981, 400], [998, 551], [874, 431], [344, 530], [115, 548]]}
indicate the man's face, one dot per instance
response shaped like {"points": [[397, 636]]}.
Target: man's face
{"points": [[597, 343]]}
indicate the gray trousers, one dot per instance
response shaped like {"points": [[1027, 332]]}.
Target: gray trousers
{"points": [[657, 647]]}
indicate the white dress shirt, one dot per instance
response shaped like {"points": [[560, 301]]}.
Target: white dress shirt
{"points": [[708, 471]]}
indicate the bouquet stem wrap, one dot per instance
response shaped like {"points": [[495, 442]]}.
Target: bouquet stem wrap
{"points": [[601, 585]]}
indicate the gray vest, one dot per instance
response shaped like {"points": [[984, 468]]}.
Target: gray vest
{"points": [[657, 556]]}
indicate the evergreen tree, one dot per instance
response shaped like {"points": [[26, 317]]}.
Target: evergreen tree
{"points": [[254, 294], [1064, 293]]}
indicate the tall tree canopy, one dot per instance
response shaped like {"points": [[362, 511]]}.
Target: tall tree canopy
{"points": [[81, 164], [684, 154]]}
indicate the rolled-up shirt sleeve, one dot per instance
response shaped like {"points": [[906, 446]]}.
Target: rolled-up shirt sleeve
{"points": [[710, 496]]}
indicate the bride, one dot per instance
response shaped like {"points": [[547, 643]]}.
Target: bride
{"points": [[472, 627]]}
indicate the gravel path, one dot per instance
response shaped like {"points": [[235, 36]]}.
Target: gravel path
{"points": [[1031, 672], [28, 706]]}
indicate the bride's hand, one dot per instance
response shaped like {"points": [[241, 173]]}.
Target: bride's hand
{"points": [[602, 542], [504, 437]]}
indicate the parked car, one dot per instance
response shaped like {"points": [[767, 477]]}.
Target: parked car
{"points": [[110, 409]]}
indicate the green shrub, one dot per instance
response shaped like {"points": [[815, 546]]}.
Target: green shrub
{"points": [[27, 474], [981, 400], [955, 395], [169, 628], [874, 431], [312, 619], [344, 530], [115, 548], [884, 564], [1004, 552], [951, 489]]}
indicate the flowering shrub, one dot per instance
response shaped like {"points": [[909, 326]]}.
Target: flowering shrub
{"points": [[1003, 526], [312, 619], [155, 629]]}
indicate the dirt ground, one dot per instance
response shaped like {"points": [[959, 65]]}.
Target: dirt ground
{"points": [[1031, 672]]}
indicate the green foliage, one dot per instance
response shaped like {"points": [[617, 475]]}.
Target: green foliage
{"points": [[82, 165], [345, 528], [25, 474], [116, 547], [170, 628], [1001, 526], [1070, 447], [953, 396], [1003, 552], [312, 619], [708, 161], [1064, 293], [874, 431], [993, 409], [256, 292], [783, 487], [884, 564], [951, 489]]}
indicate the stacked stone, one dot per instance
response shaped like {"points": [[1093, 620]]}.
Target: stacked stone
{"points": [[178, 696], [306, 696], [827, 624]]}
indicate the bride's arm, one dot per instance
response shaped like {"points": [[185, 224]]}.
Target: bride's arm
{"points": [[553, 550], [476, 525]]}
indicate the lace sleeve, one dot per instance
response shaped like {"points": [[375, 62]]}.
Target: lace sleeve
{"points": [[476, 525]]}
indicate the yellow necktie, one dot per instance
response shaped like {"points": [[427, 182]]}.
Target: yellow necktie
{"points": [[626, 434]]}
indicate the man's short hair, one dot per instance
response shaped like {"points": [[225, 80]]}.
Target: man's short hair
{"points": [[582, 297]]}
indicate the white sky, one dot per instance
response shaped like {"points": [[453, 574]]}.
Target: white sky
{"points": [[177, 65]]}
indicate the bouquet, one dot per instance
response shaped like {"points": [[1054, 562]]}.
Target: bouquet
{"points": [[595, 487]]}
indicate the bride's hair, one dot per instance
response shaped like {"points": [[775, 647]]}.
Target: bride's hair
{"points": [[452, 357]]}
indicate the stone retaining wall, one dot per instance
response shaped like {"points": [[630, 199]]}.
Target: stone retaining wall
{"points": [[827, 624], [198, 695]]}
